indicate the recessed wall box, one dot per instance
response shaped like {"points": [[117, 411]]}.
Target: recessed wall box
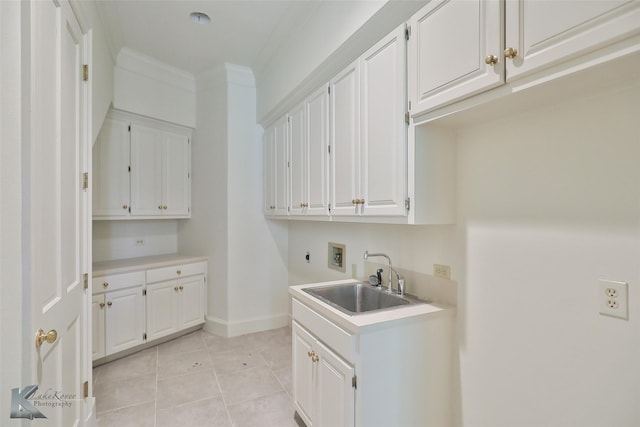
{"points": [[337, 255]]}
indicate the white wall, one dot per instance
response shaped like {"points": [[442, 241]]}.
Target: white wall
{"points": [[117, 239], [247, 254], [549, 202], [151, 88]]}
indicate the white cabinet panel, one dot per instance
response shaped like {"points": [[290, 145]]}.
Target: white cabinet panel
{"points": [[277, 168], [176, 176], [336, 397], [124, 319], [97, 326], [299, 159], [345, 140], [303, 374], [383, 166], [162, 309], [111, 169], [146, 170], [317, 142], [191, 301], [448, 46], [545, 33]]}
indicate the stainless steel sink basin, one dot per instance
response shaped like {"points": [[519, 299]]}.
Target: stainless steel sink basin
{"points": [[356, 298]]}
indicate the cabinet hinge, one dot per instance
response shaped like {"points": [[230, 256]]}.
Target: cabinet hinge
{"points": [[129, 169], [85, 180], [129, 209], [407, 32], [409, 105], [85, 278], [144, 336], [85, 73], [407, 117], [328, 90], [329, 207], [329, 148], [354, 382], [129, 128], [144, 292], [407, 203], [85, 389]]}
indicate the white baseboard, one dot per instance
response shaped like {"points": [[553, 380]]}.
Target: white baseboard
{"points": [[241, 327]]}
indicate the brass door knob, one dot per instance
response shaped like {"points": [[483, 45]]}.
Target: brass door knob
{"points": [[491, 60], [102, 305], [510, 53], [109, 303], [49, 337], [105, 285]]}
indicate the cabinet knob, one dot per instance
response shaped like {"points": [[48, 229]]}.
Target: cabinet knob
{"points": [[491, 60], [164, 207], [105, 285], [178, 272], [354, 202], [510, 53], [102, 305], [176, 289], [311, 353], [181, 287], [49, 337], [315, 358], [109, 303], [160, 207], [362, 201], [125, 207]]}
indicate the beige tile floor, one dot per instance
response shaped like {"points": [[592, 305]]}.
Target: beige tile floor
{"points": [[200, 380]]}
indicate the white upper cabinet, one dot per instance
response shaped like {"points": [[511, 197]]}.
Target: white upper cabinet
{"points": [[345, 141], [299, 160], [276, 168], [542, 33], [383, 172], [111, 169], [141, 169], [456, 48], [317, 143], [454, 51]]}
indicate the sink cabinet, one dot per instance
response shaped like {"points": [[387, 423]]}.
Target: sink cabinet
{"points": [[370, 370]]}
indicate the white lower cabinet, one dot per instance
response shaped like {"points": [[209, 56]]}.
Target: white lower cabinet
{"points": [[133, 308], [391, 373], [177, 303], [323, 382]]}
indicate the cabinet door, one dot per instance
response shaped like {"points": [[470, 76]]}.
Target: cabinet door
{"points": [[191, 301], [317, 137], [299, 161], [111, 169], [97, 326], [448, 45], [336, 394], [345, 141], [146, 170], [162, 309], [176, 162], [303, 374], [383, 166], [269, 170], [548, 32], [124, 320], [281, 168]]}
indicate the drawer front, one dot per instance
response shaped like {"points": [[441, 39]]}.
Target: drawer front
{"points": [[175, 272], [112, 282], [339, 340]]}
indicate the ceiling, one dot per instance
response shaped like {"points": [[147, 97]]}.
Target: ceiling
{"points": [[242, 32]]}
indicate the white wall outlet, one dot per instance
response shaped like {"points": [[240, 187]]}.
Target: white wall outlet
{"points": [[443, 271], [139, 242], [613, 298]]}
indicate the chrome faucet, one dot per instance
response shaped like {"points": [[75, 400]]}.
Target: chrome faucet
{"points": [[366, 256]]}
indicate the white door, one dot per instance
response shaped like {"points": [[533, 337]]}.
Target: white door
{"points": [[146, 171], [546, 33], [58, 209], [317, 137], [304, 391], [191, 299], [175, 174], [111, 169], [383, 94], [299, 160], [335, 404], [449, 43], [124, 321], [345, 141]]}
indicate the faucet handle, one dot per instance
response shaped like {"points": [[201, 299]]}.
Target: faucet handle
{"points": [[401, 286]]}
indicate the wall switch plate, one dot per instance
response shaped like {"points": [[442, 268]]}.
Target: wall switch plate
{"points": [[443, 271], [613, 298]]}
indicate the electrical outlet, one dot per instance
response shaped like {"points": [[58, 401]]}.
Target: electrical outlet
{"points": [[613, 298], [443, 271], [139, 242]]}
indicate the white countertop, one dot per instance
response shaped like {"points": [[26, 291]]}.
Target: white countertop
{"points": [[362, 322], [102, 268]]}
